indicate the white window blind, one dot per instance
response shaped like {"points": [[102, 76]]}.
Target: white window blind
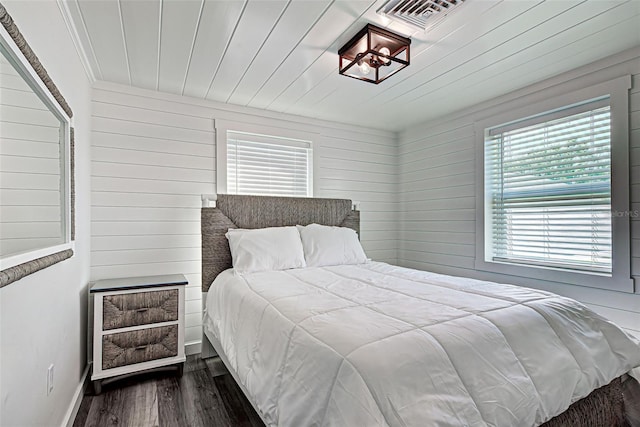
{"points": [[548, 189], [268, 165]]}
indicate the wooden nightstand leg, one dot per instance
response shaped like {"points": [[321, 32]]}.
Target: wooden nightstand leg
{"points": [[97, 387], [180, 369]]}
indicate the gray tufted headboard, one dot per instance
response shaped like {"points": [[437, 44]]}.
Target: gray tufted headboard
{"points": [[235, 211]]}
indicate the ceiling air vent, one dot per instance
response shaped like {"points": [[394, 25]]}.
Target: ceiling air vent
{"points": [[419, 13]]}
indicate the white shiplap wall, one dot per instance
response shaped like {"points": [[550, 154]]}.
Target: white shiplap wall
{"points": [[437, 192], [153, 155]]}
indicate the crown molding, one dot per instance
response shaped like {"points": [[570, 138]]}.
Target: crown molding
{"points": [[206, 108], [63, 5]]}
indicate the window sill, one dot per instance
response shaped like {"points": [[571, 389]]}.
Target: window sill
{"points": [[550, 274]]}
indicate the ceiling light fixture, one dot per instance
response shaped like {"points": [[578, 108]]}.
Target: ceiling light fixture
{"points": [[374, 54]]}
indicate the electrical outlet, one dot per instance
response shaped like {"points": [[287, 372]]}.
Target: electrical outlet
{"points": [[50, 379]]}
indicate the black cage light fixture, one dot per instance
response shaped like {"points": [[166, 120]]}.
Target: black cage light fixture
{"points": [[374, 54]]}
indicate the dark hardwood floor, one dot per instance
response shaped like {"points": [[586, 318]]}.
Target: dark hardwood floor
{"points": [[206, 395]]}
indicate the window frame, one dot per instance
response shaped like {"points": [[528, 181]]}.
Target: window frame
{"points": [[223, 126], [528, 106]]}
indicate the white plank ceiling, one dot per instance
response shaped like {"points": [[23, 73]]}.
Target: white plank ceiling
{"points": [[281, 55]]}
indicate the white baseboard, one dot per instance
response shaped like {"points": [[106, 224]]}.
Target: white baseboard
{"points": [[70, 416], [192, 347]]}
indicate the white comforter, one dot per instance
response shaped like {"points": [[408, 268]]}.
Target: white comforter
{"points": [[377, 345]]}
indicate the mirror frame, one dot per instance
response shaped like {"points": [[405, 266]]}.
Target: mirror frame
{"points": [[27, 263]]}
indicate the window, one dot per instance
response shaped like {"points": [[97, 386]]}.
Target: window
{"points": [[549, 184], [555, 202], [263, 161], [267, 165]]}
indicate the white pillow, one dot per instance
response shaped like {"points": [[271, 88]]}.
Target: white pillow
{"points": [[265, 249], [324, 245]]}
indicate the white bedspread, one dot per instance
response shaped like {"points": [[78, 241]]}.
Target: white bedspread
{"points": [[376, 345]]}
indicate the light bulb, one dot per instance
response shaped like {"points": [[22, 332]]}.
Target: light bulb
{"points": [[384, 51], [365, 68]]}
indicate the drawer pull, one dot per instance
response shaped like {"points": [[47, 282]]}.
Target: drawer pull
{"points": [[142, 310], [141, 347]]}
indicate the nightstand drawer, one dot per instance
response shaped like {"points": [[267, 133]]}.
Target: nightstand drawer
{"points": [[127, 348], [141, 308]]}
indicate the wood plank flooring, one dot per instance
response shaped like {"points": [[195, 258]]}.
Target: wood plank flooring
{"points": [[206, 395]]}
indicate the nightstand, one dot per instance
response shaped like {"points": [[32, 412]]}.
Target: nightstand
{"points": [[138, 325]]}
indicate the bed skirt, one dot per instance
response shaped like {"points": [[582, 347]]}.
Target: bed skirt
{"points": [[604, 407]]}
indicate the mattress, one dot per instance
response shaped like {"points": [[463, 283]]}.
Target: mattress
{"points": [[380, 345]]}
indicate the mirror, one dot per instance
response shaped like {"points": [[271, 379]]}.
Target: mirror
{"points": [[31, 168], [35, 162]]}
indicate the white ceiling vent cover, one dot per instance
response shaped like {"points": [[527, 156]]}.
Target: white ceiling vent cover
{"points": [[419, 13]]}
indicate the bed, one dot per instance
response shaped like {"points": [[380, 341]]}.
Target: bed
{"points": [[375, 344]]}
